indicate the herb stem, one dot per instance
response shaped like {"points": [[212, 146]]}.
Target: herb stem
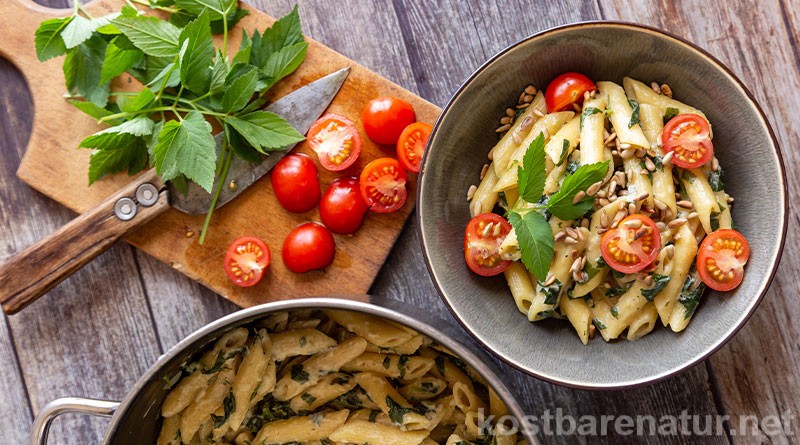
{"points": [[173, 109], [151, 6], [78, 6], [178, 97], [225, 155]]}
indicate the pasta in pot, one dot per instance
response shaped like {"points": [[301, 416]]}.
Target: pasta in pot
{"points": [[364, 380]]}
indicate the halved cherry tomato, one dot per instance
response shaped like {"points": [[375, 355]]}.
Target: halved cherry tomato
{"points": [[296, 183], [246, 260], [565, 90], [632, 246], [309, 246], [412, 143], [482, 244], [385, 118], [336, 141], [342, 208], [383, 185], [721, 259], [687, 135]]}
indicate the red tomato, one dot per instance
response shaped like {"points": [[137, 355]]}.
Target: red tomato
{"points": [[336, 141], [687, 135], [385, 118], [482, 245], [342, 208], [632, 246], [412, 143], [246, 260], [721, 259], [383, 185], [565, 90], [309, 246], [296, 183]]}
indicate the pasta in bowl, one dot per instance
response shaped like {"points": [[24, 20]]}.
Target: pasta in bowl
{"points": [[620, 218], [551, 348]]}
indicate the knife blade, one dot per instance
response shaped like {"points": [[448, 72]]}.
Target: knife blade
{"points": [[300, 108]]}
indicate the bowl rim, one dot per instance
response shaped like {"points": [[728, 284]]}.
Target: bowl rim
{"points": [[763, 286]]}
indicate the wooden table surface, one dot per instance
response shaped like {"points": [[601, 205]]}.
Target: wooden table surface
{"points": [[97, 332]]}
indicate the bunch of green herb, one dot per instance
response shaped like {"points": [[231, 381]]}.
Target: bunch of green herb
{"points": [[186, 82], [533, 232]]}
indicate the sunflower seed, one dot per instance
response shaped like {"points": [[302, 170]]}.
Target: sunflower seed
{"points": [[676, 223], [502, 128], [667, 159], [471, 192], [655, 87], [578, 197], [594, 188], [685, 204]]}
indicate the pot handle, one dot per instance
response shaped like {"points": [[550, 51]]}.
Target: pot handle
{"points": [[80, 405]]}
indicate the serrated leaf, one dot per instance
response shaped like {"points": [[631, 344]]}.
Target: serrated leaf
{"points": [[94, 111], [82, 68], [265, 131], [130, 104], [218, 26], [283, 63], [132, 159], [286, 31], [561, 204], [151, 35], [532, 175], [187, 148], [219, 72], [78, 31], [216, 8], [169, 76], [243, 55], [535, 239], [119, 136], [239, 92], [240, 147], [48, 39], [197, 55], [118, 59]]}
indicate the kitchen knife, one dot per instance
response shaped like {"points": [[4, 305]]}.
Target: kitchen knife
{"points": [[31, 273]]}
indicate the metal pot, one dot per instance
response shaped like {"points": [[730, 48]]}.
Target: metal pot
{"points": [[135, 420]]}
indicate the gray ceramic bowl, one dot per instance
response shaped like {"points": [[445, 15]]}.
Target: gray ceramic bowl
{"points": [[745, 146]]}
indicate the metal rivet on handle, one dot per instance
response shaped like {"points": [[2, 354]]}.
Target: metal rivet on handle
{"points": [[147, 194], [125, 209]]}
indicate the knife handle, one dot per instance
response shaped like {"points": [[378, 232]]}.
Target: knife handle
{"points": [[29, 274]]}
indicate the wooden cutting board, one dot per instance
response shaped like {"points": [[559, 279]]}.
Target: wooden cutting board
{"points": [[54, 166]]}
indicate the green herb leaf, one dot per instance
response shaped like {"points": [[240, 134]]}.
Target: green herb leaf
{"points": [[131, 158], [229, 406], [615, 311], [77, 31], [169, 76], [216, 8], [588, 111], [299, 374], [283, 33], [187, 148], [130, 104], [245, 48], [550, 292], [151, 35], [560, 203], [118, 59], [671, 112], [396, 411], [531, 176], [535, 239], [219, 71], [615, 291], [689, 297], [197, 55], [94, 111], [265, 131], [120, 136], [564, 153], [599, 324], [659, 283], [715, 180], [281, 64], [635, 115], [48, 39], [82, 70], [218, 27], [239, 92]]}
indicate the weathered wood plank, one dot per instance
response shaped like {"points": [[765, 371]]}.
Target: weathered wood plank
{"points": [[90, 336], [15, 414], [755, 377]]}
